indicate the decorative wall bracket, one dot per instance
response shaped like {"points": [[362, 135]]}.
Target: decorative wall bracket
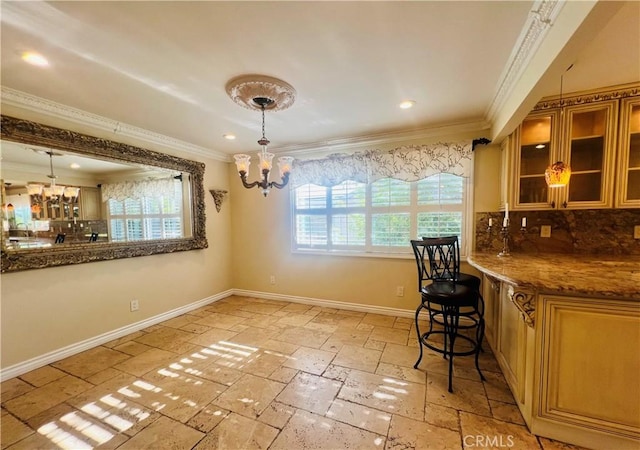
{"points": [[526, 304], [218, 197]]}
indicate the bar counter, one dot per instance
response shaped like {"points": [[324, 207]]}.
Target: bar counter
{"points": [[573, 274], [565, 330]]}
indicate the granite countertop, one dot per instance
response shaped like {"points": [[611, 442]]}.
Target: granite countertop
{"points": [[582, 275]]}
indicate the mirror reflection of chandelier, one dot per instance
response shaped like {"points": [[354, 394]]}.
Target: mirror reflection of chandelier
{"points": [[53, 192], [259, 92]]}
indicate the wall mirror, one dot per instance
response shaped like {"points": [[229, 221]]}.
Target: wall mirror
{"points": [[70, 198]]}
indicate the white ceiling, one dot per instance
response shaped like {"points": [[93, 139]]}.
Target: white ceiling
{"points": [[163, 66]]}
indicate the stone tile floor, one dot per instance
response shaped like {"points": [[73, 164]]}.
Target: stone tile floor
{"points": [[251, 373]]}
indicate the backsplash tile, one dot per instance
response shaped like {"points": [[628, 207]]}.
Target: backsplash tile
{"points": [[592, 231]]}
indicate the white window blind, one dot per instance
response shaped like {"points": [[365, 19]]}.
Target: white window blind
{"points": [[379, 217], [148, 217]]}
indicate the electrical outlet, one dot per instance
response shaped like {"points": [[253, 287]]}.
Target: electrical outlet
{"points": [[134, 305], [636, 232], [272, 279], [545, 231], [400, 291]]}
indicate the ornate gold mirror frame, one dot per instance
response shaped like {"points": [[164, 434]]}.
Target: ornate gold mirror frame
{"points": [[32, 133]]}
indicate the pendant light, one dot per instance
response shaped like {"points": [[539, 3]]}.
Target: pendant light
{"points": [[259, 92], [558, 174]]}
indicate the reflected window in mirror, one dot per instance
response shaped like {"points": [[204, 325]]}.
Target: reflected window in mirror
{"points": [[150, 209], [127, 201]]}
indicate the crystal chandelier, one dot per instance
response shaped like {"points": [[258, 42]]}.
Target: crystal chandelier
{"points": [[53, 192], [263, 93]]}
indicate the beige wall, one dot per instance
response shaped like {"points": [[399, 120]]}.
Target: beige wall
{"points": [[262, 246], [249, 240], [48, 309], [486, 189]]}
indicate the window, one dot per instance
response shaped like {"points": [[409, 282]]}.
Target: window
{"points": [[380, 217], [158, 217]]}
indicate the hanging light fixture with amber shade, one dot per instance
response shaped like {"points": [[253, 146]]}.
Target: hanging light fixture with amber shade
{"points": [[558, 174], [258, 92]]}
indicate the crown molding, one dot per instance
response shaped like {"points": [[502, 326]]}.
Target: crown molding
{"points": [[589, 96], [40, 105], [351, 144], [533, 33]]}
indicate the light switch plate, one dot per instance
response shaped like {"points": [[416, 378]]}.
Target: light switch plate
{"points": [[545, 231], [636, 232]]}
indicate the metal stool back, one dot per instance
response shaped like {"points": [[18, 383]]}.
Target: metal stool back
{"points": [[447, 298]]}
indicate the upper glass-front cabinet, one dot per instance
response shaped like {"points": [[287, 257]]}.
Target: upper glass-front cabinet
{"points": [[582, 136], [628, 182], [536, 140], [588, 146]]}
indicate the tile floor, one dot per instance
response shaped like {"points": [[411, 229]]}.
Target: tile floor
{"points": [[251, 373]]}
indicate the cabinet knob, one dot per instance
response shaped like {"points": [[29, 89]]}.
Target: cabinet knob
{"points": [[564, 204], [553, 204]]}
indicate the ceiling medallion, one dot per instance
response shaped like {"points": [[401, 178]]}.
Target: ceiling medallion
{"points": [[245, 88]]}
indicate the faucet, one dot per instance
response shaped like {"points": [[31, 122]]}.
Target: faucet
{"points": [[23, 226]]}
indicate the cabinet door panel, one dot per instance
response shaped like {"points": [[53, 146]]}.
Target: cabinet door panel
{"points": [[589, 366], [533, 160], [585, 187], [633, 185], [628, 188], [511, 346], [634, 150], [91, 203], [586, 154], [589, 123], [533, 151], [533, 190], [588, 146]]}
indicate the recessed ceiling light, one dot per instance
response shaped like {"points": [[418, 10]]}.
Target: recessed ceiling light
{"points": [[407, 104], [540, 146], [229, 136], [74, 165], [35, 59]]}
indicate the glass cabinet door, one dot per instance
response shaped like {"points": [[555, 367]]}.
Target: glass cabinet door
{"points": [[629, 161], [536, 146], [588, 146]]}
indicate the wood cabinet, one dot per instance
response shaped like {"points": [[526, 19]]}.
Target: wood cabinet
{"points": [[90, 203], [511, 339], [628, 180], [582, 136], [587, 366], [534, 147], [572, 363], [597, 133], [588, 145]]}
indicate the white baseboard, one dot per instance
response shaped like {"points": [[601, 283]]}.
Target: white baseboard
{"points": [[70, 350], [328, 303]]}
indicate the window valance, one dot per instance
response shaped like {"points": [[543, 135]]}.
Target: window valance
{"points": [[135, 190], [407, 163]]}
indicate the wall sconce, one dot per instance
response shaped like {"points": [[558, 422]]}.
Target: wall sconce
{"points": [[218, 197]]}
